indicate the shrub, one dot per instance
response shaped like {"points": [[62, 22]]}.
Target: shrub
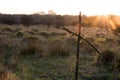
{"points": [[45, 34], [20, 34], [9, 52], [110, 60], [59, 48], [106, 57], [7, 29], [32, 46], [117, 31]]}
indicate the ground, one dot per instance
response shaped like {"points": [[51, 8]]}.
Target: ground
{"points": [[40, 53]]}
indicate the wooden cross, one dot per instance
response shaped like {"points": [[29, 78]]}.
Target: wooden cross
{"points": [[78, 45]]}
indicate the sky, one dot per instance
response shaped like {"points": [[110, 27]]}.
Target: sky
{"points": [[63, 7]]}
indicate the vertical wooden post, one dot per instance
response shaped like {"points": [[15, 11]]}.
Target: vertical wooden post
{"points": [[78, 46]]}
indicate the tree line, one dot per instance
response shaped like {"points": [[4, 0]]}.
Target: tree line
{"points": [[52, 20], [35, 19]]}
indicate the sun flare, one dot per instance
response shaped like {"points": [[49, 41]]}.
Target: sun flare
{"points": [[107, 21]]}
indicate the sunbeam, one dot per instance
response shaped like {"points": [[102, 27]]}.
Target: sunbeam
{"points": [[107, 21]]}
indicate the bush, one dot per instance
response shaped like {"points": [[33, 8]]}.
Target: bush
{"points": [[117, 31], [20, 34], [110, 60], [32, 46], [9, 52], [7, 29], [59, 48], [106, 57]]}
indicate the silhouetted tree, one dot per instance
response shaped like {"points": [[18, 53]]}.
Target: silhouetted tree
{"points": [[51, 12]]}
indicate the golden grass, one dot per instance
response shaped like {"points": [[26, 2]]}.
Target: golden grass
{"points": [[39, 43], [59, 48], [8, 75], [32, 45]]}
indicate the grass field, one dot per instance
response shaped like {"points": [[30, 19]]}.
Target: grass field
{"points": [[41, 53]]}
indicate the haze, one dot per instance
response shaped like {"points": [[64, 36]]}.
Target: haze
{"points": [[73, 7]]}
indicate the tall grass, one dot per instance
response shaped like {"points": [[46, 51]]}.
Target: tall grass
{"points": [[37, 53], [8, 47], [32, 45], [59, 48]]}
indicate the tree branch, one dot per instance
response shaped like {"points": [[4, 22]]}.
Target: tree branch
{"points": [[82, 39]]}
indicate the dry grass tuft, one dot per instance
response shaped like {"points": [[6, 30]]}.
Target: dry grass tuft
{"points": [[110, 60], [59, 48], [32, 46], [20, 34], [8, 75], [7, 29]]}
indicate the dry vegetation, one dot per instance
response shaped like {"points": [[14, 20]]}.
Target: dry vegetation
{"points": [[41, 53]]}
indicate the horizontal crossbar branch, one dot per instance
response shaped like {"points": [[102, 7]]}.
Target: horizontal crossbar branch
{"points": [[82, 39]]}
